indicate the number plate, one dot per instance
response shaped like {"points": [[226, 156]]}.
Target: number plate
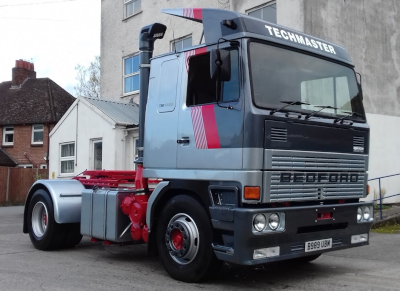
{"points": [[317, 245]]}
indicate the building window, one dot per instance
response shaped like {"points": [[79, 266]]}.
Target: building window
{"points": [[179, 44], [266, 12], [97, 154], [37, 134], [8, 135], [131, 74], [132, 7], [43, 166], [67, 158], [26, 166]]}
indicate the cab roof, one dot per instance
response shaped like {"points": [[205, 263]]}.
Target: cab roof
{"points": [[227, 24]]}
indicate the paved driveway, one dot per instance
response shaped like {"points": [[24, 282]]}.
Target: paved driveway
{"points": [[92, 266]]}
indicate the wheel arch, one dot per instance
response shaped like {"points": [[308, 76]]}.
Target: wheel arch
{"points": [[65, 196], [165, 191]]}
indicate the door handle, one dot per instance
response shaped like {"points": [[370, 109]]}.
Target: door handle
{"points": [[183, 141]]}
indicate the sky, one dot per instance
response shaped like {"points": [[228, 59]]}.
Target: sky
{"points": [[55, 35]]}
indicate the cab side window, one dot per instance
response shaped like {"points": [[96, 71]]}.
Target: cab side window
{"points": [[202, 89]]}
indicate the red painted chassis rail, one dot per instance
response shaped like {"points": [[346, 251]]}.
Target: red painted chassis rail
{"points": [[111, 179]]}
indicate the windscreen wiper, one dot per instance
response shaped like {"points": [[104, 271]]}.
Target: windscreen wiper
{"points": [[317, 111], [349, 114], [288, 103]]}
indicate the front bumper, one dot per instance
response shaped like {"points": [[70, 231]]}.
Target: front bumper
{"points": [[301, 226]]}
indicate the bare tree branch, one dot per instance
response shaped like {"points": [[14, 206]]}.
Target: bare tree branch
{"points": [[88, 79]]}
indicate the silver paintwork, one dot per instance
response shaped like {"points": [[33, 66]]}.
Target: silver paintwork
{"points": [[192, 240], [253, 158], [314, 161], [246, 178], [40, 218], [152, 198], [160, 144], [274, 190], [102, 217], [66, 209]]}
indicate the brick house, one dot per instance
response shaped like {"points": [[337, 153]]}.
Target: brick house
{"points": [[29, 109]]}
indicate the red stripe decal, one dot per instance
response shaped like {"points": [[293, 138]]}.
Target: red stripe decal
{"points": [[198, 13], [200, 51], [210, 127], [198, 128]]}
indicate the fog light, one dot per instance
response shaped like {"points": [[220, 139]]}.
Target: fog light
{"points": [[273, 221], [259, 222], [266, 253], [355, 239], [359, 238], [364, 237], [359, 214], [366, 213]]}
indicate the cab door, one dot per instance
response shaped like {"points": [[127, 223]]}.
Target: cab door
{"points": [[162, 114], [209, 136]]}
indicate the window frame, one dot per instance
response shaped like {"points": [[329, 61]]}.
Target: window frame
{"points": [[92, 162], [25, 166], [7, 133], [260, 7], [135, 11], [181, 39], [68, 158], [33, 132], [222, 101], [124, 77]]}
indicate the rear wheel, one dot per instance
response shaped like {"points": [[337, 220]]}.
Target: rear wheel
{"points": [[184, 238], [45, 233]]}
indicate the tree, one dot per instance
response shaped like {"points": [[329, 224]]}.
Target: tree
{"points": [[88, 79]]}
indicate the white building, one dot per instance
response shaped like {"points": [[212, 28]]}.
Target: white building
{"points": [[94, 134], [368, 30]]}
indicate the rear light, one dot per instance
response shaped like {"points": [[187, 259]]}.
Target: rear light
{"points": [[251, 193], [367, 189]]}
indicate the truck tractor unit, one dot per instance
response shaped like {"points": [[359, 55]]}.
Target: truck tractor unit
{"points": [[253, 148]]}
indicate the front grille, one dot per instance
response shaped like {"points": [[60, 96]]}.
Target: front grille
{"points": [[293, 191], [311, 161], [358, 141], [279, 134], [324, 227]]}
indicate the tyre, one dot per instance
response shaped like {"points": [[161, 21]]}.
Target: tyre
{"points": [[306, 259], [73, 235], [184, 238], [44, 232]]}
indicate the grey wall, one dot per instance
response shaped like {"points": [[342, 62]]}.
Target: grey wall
{"points": [[369, 30], [119, 36]]}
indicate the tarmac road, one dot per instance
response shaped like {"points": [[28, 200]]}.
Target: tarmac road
{"points": [[93, 266]]}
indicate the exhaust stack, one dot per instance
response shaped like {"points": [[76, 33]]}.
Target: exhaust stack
{"points": [[148, 35]]}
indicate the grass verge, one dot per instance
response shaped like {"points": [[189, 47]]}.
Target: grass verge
{"points": [[395, 228]]}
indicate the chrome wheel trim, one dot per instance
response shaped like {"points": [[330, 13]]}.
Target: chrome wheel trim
{"points": [[40, 219], [191, 237]]}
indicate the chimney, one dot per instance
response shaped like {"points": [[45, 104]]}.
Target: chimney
{"points": [[21, 72]]}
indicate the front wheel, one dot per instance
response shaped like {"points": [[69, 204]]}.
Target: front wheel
{"points": [[184, 238]]}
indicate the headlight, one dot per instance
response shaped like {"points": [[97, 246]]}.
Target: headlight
{"points": [[359, 214], [259, 222], [273, 221], [367, 213]]}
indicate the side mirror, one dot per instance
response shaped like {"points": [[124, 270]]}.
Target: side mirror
{"points": [[220, 65]]}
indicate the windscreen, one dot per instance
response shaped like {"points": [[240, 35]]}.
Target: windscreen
{"points": [[278, 74]]}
